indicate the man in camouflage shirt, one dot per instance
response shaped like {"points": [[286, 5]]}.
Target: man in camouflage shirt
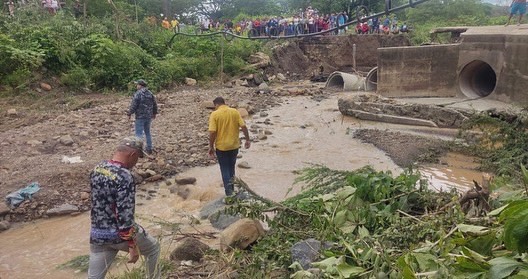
{"points": [[145, 108], [113, 227]]}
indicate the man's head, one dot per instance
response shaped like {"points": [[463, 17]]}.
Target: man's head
{"points": [[129, 150], [218, 101], [140, 83]]}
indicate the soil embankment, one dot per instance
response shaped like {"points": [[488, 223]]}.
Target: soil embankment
{"points": [[304, 57]]}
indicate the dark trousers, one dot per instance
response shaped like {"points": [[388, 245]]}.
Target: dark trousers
{"points": [[227, 161]]}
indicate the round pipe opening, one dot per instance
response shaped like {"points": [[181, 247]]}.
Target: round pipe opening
{"points": [[477, 79], [336, 81], [372, 80]]}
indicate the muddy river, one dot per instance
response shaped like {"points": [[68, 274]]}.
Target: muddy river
{"points": [[303, 132]]}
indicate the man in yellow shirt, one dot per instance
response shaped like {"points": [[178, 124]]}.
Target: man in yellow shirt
{"points": [[224, 134], [175, 25]]}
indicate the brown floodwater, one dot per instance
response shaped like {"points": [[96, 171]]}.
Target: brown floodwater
{"points": [[303, 132]]}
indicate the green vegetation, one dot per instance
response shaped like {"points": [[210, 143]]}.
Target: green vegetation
{"points": [[118, 42], [445, 13], [79, 263], [94, 54], [380, 226], [501, 143]]}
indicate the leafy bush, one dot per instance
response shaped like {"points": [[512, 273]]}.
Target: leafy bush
{"points": [[16, 62]]}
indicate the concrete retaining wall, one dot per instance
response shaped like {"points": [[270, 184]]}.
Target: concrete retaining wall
{"points": [[507, 55], [491, 62], [424, 71]]}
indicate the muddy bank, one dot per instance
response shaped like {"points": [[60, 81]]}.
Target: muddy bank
{"points": [[303, 57], [405, 149]]}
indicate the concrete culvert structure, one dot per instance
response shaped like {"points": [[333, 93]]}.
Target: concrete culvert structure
{"points": [[372, 80], [348, 82], [477, 79]]}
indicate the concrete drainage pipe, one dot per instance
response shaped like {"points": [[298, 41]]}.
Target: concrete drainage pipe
{"points": [[372, 80], [477, 79], [348, 82]]}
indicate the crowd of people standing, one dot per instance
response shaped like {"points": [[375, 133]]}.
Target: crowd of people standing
{"points": [[307, 21]]}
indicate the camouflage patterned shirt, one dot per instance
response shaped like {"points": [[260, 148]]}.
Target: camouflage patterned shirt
{"points": [[113, 204]]}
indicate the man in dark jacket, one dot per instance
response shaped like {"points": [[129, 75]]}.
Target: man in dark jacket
{"points": [[145, 108]]}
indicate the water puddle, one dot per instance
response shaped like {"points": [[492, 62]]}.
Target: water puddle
{"points": [[301, 132], [456, 172]]}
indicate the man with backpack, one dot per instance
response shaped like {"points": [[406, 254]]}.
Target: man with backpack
{"points": [[145, 108]]}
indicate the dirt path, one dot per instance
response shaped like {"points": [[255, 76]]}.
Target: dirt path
{"points": [[34, 143]]}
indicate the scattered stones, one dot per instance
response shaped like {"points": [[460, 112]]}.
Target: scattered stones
{"points": [[306, 252], [244, 165], [4, 225], [241, 234], [84, 135], [62, 210], [12, 112], [264, 114], [66, 140], [85, 195], [262, 136], [259, 60], [281, 77], [243, 112], [180, 190], [185, 180], [4, 209], [189, 249], [190, 81], [33, 142], [154, 178], [263, 86], [150, 173], [267, 132], [221, 220], [208, 104], [212, 208], [45, 86]]}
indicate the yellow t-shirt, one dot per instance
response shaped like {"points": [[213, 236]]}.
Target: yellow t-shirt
{"points": [[226, 122]]}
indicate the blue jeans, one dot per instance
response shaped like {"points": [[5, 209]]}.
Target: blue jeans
{"points": [[227, 161], [143, 125]]}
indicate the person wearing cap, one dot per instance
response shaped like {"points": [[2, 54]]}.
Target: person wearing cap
{"points": [[145, 108], [225, 124], [113, 227]]}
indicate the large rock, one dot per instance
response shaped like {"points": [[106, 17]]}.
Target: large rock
{"points": [[208, 104], [180, 190], [190, 81], [212, 208], [189, 249], [12, 112], [244, 165], [4, 225], [259, 60], [221, 220], [243, 112], [66, 140], [306, 252], [4, 209], [185, 180], [45, 86], [62, 210], [241, 234]]}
